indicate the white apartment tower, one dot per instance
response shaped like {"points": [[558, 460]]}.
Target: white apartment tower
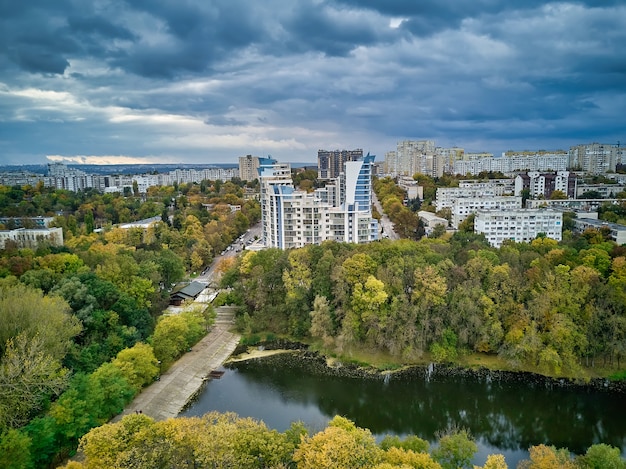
{"points": [[341, 211]]}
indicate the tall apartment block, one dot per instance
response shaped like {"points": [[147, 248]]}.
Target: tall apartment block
{"points": [[330, 163], [341, 211], [248, 167], [594, 158], [420, 156]]}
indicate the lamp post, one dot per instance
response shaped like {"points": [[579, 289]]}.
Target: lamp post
{"points": [[159, 376]]}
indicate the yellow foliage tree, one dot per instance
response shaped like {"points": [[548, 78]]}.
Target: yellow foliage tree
{"points": [[341, 445]]}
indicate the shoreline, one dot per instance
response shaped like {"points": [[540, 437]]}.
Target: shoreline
{"points": [[320, 363]]}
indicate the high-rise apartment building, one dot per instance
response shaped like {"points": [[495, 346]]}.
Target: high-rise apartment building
{"points": [[594, 158], [341, 211], [248, 167], [330, 163]]}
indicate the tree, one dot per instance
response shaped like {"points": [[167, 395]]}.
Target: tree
{"points": [[25, 310], [138, 365], [494, 461], [601, 456], [14, 449], [321, 320], [456, 450], [558, 195], [341, 445], [401, 458], [547, 457], [171, 267], [29, 376]]}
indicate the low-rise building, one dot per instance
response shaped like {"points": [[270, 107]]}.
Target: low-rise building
{"points": [[618, 232], [412, 188], [32, 238], [430, 221], [520, 225]]}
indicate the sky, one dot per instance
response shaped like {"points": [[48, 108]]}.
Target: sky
{"points": [[207, 81]]}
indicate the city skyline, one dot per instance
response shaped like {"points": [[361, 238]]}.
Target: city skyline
{"points": [[115, 82]]}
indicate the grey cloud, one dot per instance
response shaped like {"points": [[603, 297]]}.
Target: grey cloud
{"points": [[223, 121]]}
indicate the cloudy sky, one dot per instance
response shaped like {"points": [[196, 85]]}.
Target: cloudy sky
{"points": [[206, 81]]}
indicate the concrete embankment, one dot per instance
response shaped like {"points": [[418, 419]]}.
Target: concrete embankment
{"points": [[166, 397]]}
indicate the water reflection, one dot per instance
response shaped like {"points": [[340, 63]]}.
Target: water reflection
{"points": [[504, 415]]}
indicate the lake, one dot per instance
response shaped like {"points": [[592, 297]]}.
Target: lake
{"points": [[505, 413]]}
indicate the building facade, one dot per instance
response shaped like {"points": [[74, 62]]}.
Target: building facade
{"points": [[341, 211], [519, 225], [465, 206], [473, 189], [32, 238], [542, 185], [594, 158], [248, 167], [330, 163], [511, 162]]}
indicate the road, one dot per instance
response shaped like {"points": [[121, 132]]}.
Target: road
{"points": [[207, 276], [385, 222]]}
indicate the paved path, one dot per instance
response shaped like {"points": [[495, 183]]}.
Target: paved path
{"points": [[167, 397]]}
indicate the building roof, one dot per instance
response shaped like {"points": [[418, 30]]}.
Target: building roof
{"points": [[190, 291]]}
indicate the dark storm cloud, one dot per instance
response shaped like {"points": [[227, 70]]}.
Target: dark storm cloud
{"points": [[223, 77], [334, 33]]}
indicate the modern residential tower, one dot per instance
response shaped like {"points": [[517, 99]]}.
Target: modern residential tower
{"points": [[341, 211]]}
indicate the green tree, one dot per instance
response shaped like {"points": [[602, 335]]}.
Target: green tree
{"points": [[601, 456], [29, 376], [14, 449], [138, 365], [456, 450]]}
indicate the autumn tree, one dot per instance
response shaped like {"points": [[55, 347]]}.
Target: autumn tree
{"points": [[341, 445]]}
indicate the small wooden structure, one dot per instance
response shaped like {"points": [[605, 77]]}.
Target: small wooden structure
{"points": [[188, 292]]}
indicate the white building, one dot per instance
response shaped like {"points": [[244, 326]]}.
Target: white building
{"points": [[430, 221], [32, 238], [472, 188], [618, 232], [542, 185], [340, 212], [520, 225], [514, 161], [412, 188], [464, 206]]}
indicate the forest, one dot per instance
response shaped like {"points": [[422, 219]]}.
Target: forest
{"points": [[81, 325]]}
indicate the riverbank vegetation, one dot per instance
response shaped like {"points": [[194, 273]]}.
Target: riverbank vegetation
{"points": [[225, 440], [81, 325], [557, 309]]}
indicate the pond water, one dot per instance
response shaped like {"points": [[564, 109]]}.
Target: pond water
{"points": [[505, 415]]}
